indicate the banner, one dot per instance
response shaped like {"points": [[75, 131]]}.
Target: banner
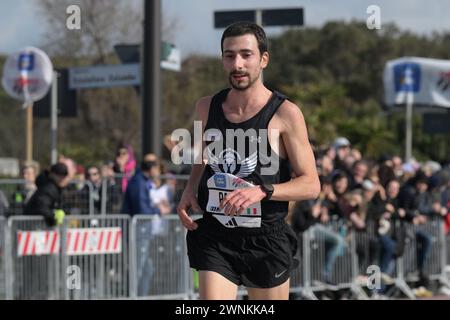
{"points": [[426, 80], [85, 241]]}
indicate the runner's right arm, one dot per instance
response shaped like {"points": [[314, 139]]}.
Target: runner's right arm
{"points": [[189, 198]]}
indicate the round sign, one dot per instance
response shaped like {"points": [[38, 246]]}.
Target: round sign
{"points": [[28, 74]]}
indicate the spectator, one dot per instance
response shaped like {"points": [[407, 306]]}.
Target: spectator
{"points": [[325, 166], [71, 166], [360, 170], [93, 177], [334, 196], [113, 188], [163, 193], [107, 171], [137, 200], [341, 146], [46, 201], [416, 202], [385, 215], [397, 166], [386, 170], [124, 164], [24, 191]]}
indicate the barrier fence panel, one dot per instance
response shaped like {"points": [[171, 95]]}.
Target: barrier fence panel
{"points": [[331, 261], [160, 268], [86, 258], [367, 247], [2, 259], [96, 257], [32, 272], [424, 243], [297, 275]]}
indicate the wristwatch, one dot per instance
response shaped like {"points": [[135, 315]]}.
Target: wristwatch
{"points": [[268, 190]]}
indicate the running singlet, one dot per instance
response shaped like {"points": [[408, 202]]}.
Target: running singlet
{"points": [[240, 156]]}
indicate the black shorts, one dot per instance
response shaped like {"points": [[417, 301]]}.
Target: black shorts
{"points": [[253, 257]]}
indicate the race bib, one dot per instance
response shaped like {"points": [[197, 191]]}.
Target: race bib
{"points": [[219, 186]]}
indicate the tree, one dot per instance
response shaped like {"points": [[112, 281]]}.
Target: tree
{"points": [[336, 72]]}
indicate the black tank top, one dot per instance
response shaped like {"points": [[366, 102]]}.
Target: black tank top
{"points": [[266, 171]]}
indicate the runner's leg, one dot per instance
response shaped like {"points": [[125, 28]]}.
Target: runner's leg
{"points": [[214, 286]]}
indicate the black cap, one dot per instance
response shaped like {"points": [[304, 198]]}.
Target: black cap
{"points": [[59, 169]]}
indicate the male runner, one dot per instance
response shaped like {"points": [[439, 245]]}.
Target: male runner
{"points": [[243, 189]]}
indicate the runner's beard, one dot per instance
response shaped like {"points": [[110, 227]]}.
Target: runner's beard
{"points": [[241, 85]]}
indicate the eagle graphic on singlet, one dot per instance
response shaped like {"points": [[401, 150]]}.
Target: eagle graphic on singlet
{"points": [[229, 161]]}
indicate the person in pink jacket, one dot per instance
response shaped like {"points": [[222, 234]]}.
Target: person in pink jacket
{"points": [[125, 163]]}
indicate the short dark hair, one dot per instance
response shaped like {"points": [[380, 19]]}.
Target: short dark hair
{"points": [[147, 165], [59, 169], [338, 175], [242, 28]]}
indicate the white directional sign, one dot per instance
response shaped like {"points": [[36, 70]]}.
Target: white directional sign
{"points": [[104, 76]]}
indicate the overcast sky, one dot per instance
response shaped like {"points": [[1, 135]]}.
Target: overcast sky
{"points": [[19, 26]]}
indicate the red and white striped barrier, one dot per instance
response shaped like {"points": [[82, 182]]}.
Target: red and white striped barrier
{"points": [[89, 241]]}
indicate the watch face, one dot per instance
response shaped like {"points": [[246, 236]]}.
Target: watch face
{"points": [[268, 189]]}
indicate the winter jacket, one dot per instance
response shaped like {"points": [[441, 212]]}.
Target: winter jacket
{"points": [[45, 200]]}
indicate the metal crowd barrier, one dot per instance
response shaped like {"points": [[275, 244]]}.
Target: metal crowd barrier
{"points": [[31, 274], [86, 258], [100, 257], [435, 262], [298, 275], [159, 258], [319, 243], [2, 259]]}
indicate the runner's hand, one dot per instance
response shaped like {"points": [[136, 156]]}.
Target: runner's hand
{"points": [[188, 200], [239, 200]]}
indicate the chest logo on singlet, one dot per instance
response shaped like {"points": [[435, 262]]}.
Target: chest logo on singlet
{"points": [[229, 161]]}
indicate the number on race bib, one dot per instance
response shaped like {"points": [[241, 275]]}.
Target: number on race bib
{"points": [[222, 196]]}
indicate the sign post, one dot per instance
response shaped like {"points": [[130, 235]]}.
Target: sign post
{"points": [[29, 141], [54, 119]]}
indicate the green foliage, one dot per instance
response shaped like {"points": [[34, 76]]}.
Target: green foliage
{"points": [[336, 72]]}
